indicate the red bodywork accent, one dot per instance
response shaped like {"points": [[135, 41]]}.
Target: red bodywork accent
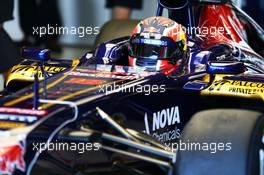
{"points": [[84, 81], [11, 158], [222, 16], [23, 111]]}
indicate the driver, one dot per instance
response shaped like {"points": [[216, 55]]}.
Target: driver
{"points": [[157, 44]]}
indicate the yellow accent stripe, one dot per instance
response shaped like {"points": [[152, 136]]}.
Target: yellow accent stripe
{"points": [[13, 102], [75, 62], [9, 125], [78, 93]]}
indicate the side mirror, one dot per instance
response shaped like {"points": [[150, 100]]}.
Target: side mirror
{"points": [[216, 68], [225, 67], [41, 56], [36, 54]]}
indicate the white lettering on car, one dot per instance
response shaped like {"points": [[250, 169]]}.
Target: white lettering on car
{"points": [[163, 118]]}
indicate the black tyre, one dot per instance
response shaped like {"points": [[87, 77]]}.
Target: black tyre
{"points": [[242, 128]]}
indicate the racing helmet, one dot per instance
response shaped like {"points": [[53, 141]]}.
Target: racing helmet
{"points": [[157, 44]]}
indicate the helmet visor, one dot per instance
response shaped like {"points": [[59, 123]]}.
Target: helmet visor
{"points": [[155, 49]]}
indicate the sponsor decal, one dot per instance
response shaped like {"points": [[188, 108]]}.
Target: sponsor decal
{"points": [[168, 136], [10, 125], [23, 111], [84, 81], [30, 71], [102, 75], [245, 91], [12, 158], [18, 118], [237, 87], [120, 70], [31, 95], [166, 117], [162, 120], [27, 68]]}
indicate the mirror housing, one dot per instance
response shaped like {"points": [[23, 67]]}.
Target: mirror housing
{"points": [[36, 54], [225, 67]]}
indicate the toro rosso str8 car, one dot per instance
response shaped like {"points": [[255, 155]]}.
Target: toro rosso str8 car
{"points": [[97, 115]]}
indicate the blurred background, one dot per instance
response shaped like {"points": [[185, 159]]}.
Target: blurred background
{"points": [[85, 13]]}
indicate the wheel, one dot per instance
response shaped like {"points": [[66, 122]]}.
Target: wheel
{"points": [[233, 139]]}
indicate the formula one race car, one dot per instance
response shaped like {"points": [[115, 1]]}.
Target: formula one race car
{"points": [[110, 112]]}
